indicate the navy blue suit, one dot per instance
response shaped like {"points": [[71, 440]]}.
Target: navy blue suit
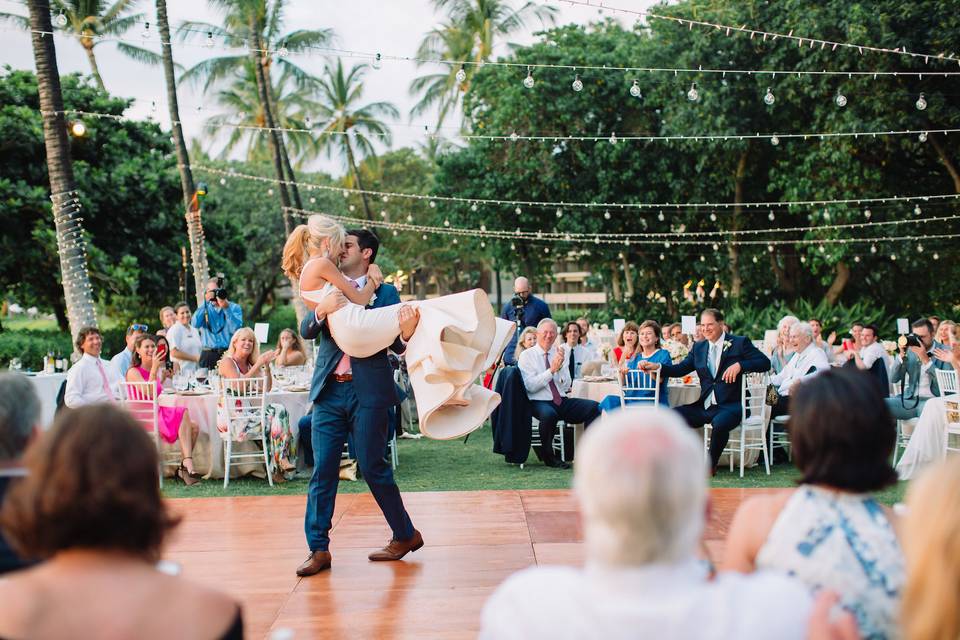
{"points": [[725, 415], [360, 407], [534, 310]]}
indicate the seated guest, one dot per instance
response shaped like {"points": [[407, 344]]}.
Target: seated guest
{"points": [[650, 351], [574, 352], [290, 352], [19, 426], [783, 351], [639, 482], [244, 360], [720, 361], [173, 423], [830, 532], [808, 361], [121, 361], [184, 340], [592, 349], [871, 349], [825, 345], [946, 333], [527, 339], [168, 317], [914, 367], [546, 380], [677, 335], [698, 333], [627, 344], [91, 379], [91, 508], [935, 323]]}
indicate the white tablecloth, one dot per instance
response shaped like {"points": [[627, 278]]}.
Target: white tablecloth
{"points": [[47, 385], [678, 394], [208, 452]]}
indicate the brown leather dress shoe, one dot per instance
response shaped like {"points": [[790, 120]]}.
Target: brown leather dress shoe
{"points": [[317, 562], [397, 548]]}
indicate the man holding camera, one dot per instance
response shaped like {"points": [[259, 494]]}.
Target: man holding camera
{"points": [[524, 309], [218, 319], [915, 367]]}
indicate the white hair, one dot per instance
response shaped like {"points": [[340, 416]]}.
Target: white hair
{"points": [[547, 321], [787, 321], [640, 479], [803, 327]]}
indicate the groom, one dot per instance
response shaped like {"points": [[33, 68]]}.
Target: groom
{"points": [[353, 395]]}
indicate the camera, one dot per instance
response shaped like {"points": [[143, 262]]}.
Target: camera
{"points": [[220, 292], [517, 302], [910, 340]]}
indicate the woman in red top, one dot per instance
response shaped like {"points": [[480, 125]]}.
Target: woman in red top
{"points": [[627, 343]]}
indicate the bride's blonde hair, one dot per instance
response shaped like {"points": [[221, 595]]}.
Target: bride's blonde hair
{"points": [[311, 236]]}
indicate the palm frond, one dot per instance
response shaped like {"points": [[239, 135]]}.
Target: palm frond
{"points": [[21, 22], [144, 56]]}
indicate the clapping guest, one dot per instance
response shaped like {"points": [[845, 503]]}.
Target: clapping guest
{"points": [[290, 352], [650, 351], [783, 351], [830, 532], [528, 338], [184, 340], [173, 423], [808, 361], [946, 333], [91, 508], [168, 318], [871, 349], [627, 343]]}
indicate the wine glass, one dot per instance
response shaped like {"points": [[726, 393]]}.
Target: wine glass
{"points": [[180, 382], [201, 375]]}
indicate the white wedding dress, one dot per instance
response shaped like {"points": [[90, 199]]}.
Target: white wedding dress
{"points": [[927, 442], [457, 339]]}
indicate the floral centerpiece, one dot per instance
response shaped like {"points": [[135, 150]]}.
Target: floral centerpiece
{"points": [[605, 350], [677, 350], [890, 347]]}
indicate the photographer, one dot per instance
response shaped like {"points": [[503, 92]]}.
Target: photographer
{"points": [[915, 367], [217, 319], [524, 309]]}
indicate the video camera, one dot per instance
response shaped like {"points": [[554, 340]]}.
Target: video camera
{"points": [[517, 302]]}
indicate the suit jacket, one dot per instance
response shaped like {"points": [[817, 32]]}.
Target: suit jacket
{"points": [[739, 349], [511, 420], [910, 366], [373, 376]]}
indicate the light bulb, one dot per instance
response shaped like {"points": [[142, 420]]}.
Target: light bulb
{"points": [[78, 129], [663, 257], [635, 89], [482, 244], [856, 258], [893, 256], [446, 223], [873, 248], [693, 95], [921, 103], [455, 241], [768, 97], [461, 75], [433, 205], [660, 216], [920, 248], [313, 200], [514, 136], [394, 232], [613, 138], [513, 247], [841, 100], [223, 181], [715, 246], [384, 198], [596, 239], [60, 20], [755, 261], [606, 215], [772, 216], [770, 248], [383, 213], [424, 236], [209, 42], [702, 259], [409, 218], [916, 210], [283, 52], [269, 192], [867, 213], [774, 140], [153, 106], [377, 61], [559, 213], [546, 249], [577, 83], [518, 211], [923, 136], [528, 81], [146, 31], [936, 256], [483, 227], [713, 217], [352, 208], [473, 207]]}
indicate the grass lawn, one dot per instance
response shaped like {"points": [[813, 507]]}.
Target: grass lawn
{"points": [[431, 465]]}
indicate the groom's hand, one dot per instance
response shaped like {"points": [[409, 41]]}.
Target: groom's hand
{"points": [[330, 303], [409, 318]]}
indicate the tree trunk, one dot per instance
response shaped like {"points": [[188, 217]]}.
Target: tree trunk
{"points": [[945, 159], [839, 283], [628, 276], [71, 244], [284, 156], [87, 44], [786, 284], [356, 176], [615, 282], [733, 250], [198, 251]]}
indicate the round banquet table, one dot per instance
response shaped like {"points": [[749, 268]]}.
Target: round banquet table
{"points": [[47, 385], [208, 452]]}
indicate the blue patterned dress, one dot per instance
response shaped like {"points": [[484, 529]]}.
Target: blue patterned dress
{"points": [[843, 542]]}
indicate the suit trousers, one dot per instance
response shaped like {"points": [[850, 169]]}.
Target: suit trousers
{"points": [[723, 419], [337, 414], [571, 410], [905, 409]]}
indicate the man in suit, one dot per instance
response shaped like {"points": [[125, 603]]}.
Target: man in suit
{"points": [[918, 366], [19, 425], [354, 395], [720, 361]]}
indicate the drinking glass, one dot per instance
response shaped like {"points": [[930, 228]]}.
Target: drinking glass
{"points": [[201, 375], [180, 382]]}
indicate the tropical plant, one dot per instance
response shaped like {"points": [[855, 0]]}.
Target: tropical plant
{"points": [[91, 20], [349, 128], [465, 41]]}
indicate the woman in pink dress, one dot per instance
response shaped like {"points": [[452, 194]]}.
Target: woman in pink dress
{"points": [[173, 423]]}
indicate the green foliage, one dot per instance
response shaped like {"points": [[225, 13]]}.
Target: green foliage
{"points": [[30, 345]]}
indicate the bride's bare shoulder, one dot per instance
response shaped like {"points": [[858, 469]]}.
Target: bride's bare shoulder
{"points": [[314, 271]]}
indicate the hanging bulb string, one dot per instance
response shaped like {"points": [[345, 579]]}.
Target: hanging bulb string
{"points": [[672, 206], [772, 35]]}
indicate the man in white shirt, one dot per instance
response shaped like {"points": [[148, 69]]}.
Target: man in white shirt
{"points": [[870, 350], [121, 361], [641, 486], [91, 379], [590, 349], [809, 359], [547, 379]]}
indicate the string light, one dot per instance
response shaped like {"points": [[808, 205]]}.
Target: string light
{"points": [[693, 95], [769, 98], [461, 75], [60, 19], [377, 61], [78, 129], [774, 140], [145, 34], [921, 103], [577, 84], [841, 100], [635, 89], [528, 82], [209, 42]]}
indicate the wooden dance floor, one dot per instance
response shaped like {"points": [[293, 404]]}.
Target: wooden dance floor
{"points": [[250, 548]]}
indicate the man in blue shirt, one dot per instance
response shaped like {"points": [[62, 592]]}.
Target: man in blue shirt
{"points": [[218, 319], [526, 310]]}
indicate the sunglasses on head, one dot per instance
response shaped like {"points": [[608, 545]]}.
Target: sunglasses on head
{"points": [[137, 327]]}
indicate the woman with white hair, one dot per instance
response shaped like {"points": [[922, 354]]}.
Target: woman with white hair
{"points": [[456, 339], [641, 484], [783, 352]]}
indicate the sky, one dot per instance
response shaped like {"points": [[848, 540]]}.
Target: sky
{"points": [[392, 27]]}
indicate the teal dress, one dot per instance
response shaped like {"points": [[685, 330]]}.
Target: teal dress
{"points": [[660, 356]]}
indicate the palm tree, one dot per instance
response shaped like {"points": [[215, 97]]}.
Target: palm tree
{"points": [[472, 30], [88, 20], [73, 261], [198, 251], [349, 127]]}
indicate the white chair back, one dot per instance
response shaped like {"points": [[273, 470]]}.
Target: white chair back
{"points": [[142, 401], [947, 381], [242, 401], [639, 390], [753, 396]]}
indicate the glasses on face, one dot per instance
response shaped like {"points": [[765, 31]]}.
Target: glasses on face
{"points": [[137, 327]]}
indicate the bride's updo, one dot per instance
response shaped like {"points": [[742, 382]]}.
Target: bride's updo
{"points": [[311, 236]]}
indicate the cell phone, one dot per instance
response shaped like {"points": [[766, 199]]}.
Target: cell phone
{"points": [[161, 352], [847, 344]]}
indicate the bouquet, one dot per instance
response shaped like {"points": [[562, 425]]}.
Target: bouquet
{"points": [[677, 350]]}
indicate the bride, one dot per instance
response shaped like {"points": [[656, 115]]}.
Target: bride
{"points": [[457, 338]]}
